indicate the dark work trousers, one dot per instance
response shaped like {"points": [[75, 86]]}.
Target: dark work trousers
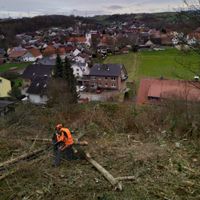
{"points": [[67, 154]]}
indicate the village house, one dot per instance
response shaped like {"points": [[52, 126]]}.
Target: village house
{"points": [[31, 55], [50, 51], [37, 92], [16, 54], [106, 76], [80, 69], [5, 87], [156, 90], [35, 81]]}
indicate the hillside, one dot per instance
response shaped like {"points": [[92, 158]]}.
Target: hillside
{"points": [[158, 147], [170, 20]]}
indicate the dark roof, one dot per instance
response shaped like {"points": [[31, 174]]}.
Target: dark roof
{"points": [[37, 70], [47, 61], [5, 103], [106, 70], [38, 86]]}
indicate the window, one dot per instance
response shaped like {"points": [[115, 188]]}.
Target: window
{"points": [[77, 70], [113, 85], [38, 84], [113, 78], [0, 80], [106, 84], [77, 74], [106, 77]]}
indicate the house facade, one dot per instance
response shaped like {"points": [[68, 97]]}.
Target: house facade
{"points": [[80, 69], [5, 87], [35, 81], [106, 76]]}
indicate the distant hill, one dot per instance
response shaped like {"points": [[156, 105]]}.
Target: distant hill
{"points": [[11, 27], [171, 20]]}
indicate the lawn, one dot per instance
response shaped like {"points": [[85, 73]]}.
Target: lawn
{"points": [[170, 63], [7, 66]]}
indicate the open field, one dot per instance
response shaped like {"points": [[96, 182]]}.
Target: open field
{"points": [[7, 66], [170, 63]]}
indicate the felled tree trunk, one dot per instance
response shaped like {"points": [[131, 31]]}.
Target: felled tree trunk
{"points": [[114, 182], [22, 157]]}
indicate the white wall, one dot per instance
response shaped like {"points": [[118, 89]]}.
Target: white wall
{"points": [[37, 99]]}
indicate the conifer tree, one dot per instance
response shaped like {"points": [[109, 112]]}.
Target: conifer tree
{"points": [[58, 69], [71, 80]]}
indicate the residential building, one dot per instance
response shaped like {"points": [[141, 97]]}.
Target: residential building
{"points": [[5, 87], [32, 55], [156, 90], [80, 69], [35, 81], [37, 91], [106, 76]]}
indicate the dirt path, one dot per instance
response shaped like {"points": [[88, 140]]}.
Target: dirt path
{"points": [[133, 75]]}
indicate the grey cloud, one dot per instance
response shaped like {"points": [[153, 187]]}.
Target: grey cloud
{"points": [[115, 7], [79, 7]]}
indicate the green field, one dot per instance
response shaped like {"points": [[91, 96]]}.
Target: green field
{"points": [[170, 63], [7, 66]]}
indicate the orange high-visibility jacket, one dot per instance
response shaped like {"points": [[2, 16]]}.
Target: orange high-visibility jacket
{"points": [[62, 138]]}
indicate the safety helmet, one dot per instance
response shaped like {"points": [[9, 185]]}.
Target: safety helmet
{"points": [[59, 126]]}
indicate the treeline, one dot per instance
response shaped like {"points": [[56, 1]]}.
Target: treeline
{"points": [[170, 20]]}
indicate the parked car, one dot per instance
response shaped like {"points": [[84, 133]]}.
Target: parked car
{"points": [[82, 88]]}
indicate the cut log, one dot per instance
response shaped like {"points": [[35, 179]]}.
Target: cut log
{"points": [[114, 182], [22, 157], [13, 171]]}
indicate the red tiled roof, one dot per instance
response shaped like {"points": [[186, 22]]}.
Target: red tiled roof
{"points": [[77, 39], [50, 50], [35, 52], [16, 54], [61, 50], [168, 89], [68, 49]]}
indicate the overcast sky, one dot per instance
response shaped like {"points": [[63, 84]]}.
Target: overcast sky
{"points": [[20, 8]]}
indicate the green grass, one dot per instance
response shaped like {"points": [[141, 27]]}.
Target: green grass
{"points": [[7, 66], [170, 63]]}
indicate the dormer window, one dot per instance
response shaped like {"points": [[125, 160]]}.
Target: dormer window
{"points": [[38, 84], [45, 75], [45, 85]]}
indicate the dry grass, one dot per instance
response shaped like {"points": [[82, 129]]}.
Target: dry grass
{"points": [[123, 139]]}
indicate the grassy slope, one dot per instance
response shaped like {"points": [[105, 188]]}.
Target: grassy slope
{"points": [[7, 66], [162, 170], [169, 63]]}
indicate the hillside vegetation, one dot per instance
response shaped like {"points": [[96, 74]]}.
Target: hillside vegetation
{"points": [[158, 145]]}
